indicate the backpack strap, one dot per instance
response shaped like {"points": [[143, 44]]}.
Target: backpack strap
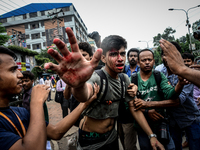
{"points": [[158, 78], [104, 86], [134, 78], [122, 80]]}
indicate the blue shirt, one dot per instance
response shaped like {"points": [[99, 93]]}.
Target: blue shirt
{"points": [[128, 70], [187, 111], [8, 134]]}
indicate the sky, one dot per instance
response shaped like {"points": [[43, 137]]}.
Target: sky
{"points": [[134, 20]]}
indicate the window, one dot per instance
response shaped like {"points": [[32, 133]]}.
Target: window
{"points": [[42, 13], [43, 34], [72, 28], [28, 46], [42, 23], [24, 16], [3, 20], [65, 9], [26, 26], [68, 18], [35, 36], [35, 25], [37, 46], [27, 36], [22, 59], [32, 15], [44, 43]]}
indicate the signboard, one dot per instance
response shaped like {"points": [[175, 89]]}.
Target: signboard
{"points": [[19, 66], [23, 64]]}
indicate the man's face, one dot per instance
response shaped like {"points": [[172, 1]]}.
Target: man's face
{"points": [[85, 55], [133, 58], [27, 83], [115, 60], [146, 61], [10, 76], [188, 62]]}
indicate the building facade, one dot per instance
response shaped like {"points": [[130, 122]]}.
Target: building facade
{"points": [[36, 25]]}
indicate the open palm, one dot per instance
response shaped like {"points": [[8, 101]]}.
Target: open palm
{"points": [[72, 67]]}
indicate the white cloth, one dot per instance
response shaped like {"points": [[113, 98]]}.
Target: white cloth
{"points": [[48, 83], [41, 81], [159, 67]]}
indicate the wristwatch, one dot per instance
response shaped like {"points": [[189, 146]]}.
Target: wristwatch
{"points": [[152, 135]]}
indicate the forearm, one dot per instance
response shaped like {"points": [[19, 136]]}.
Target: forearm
{"points": [[178, 87], [140, 118], [57, 131], [36, 132], [83, 93], [163, 104], [191, 75]]}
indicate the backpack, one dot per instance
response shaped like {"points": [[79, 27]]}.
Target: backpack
{"points": [[157, 76], [124, 113], [104, 88]]}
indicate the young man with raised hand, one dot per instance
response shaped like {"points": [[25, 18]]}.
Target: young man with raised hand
{"points": [[75, 71], [19, 129]]}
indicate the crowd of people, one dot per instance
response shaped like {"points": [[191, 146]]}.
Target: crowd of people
{"points": [[154, 105]]}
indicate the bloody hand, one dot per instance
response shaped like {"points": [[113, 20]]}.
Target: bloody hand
{"points": [[72, 67]]}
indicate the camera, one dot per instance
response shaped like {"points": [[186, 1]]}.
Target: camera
{"points": [[196, 34]]}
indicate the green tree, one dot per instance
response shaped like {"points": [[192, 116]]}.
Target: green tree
{"points": [[3, 38], [167, 35]]}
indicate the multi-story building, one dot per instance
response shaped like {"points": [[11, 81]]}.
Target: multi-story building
{"points": [[36, 25]]}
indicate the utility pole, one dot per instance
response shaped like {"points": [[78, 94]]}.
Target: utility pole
{"points": [[55, 18], [187, 23]]}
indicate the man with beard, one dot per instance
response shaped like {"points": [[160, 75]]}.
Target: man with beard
{"points": [[132, 56], [97, 128], [149, 94], [126, 130], [20, 129]]}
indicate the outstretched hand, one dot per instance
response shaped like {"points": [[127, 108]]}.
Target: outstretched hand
{"points": [[72, 67]]}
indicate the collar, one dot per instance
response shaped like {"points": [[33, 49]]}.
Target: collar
{"points": [[29, 91]]}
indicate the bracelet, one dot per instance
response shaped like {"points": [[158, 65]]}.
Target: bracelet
{"points": [[152, 135]]}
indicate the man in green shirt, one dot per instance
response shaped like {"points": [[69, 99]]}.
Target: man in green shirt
{"points": [[148, 90]]}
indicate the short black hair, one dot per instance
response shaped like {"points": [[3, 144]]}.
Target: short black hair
{"points": [[4, 50], [113, 42], [144, 51], [188, 56], [85, 46], [178, 47], [132, 50], [28, 74]]}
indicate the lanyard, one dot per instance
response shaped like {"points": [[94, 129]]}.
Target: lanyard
{"points": [[22, 126]]}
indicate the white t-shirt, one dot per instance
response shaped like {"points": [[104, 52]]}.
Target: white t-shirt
{"points": [[41, 81]]}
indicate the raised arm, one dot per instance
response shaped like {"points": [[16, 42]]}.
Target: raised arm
{"points": [[35, 137], [176, 64], [72, 67]]}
